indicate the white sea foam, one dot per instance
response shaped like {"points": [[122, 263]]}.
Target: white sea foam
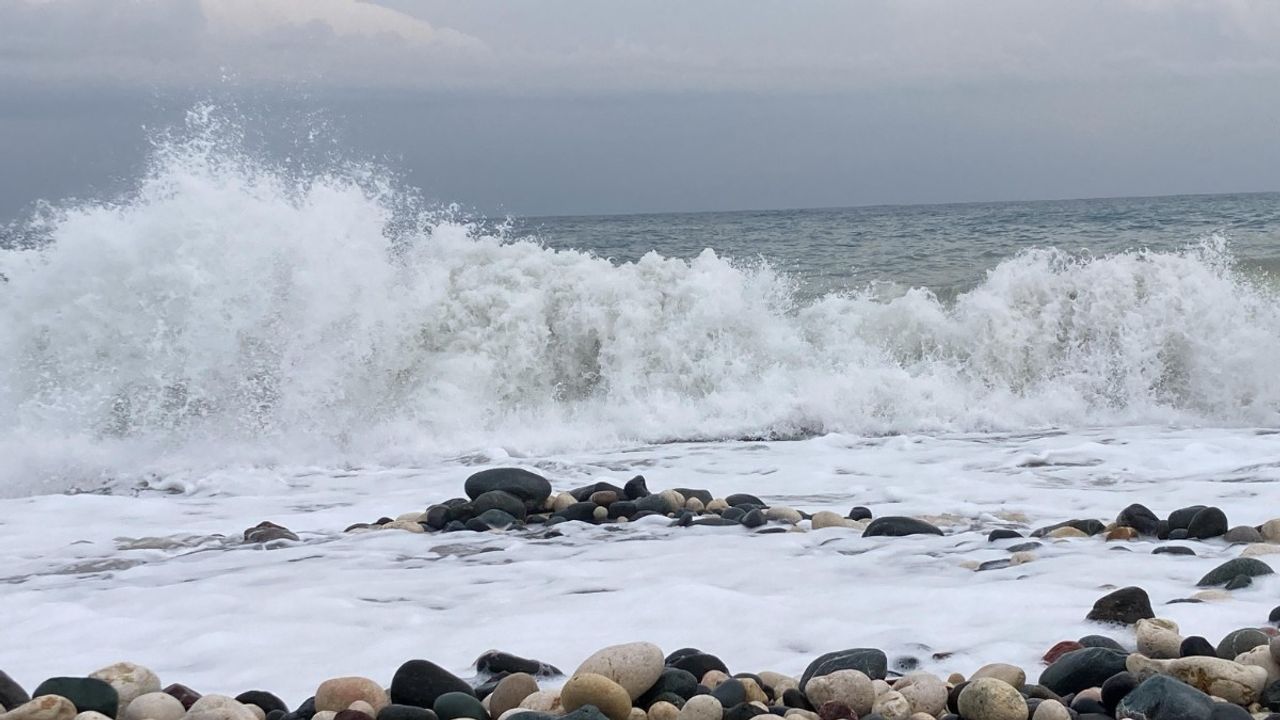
{"points": [[230, 313]]}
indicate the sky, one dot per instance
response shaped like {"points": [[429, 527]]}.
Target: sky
{"points": [[548, 107]]}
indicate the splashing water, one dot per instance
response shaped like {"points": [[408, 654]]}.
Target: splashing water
{"points": [[229, 311]]}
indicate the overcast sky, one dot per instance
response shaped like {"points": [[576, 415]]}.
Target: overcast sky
{"points": [[597, 106]]}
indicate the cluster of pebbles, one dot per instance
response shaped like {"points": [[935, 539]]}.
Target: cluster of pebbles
{"points": [[513, 499], [516, 500], [1160, 675], [1168, 677]]}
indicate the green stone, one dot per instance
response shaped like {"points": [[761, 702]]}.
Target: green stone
{"points": [[87, 694], [454, 705]]}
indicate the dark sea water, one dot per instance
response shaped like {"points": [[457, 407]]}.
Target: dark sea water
{"points": [[943, 247]]}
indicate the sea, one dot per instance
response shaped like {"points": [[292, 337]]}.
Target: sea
{"points": [[232, 340]]}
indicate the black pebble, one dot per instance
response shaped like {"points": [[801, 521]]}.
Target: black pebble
{"points": [[1180, 519], [1023, 547], [277, 715], [704, 496], [12, 695], [1089, 705], [1173, 550], [733, 513], [1125, 606], [953, 697], [1002, 534], [695, 662], [673, 681], [730, 693], [263, 699], [486, 688], [579, 511], [1270, 698], [1229, 570], [1210, 522], [306, 710], [635, 488], [1239, 582], [793, 698], [894, 526], [743, 711], [1196, 646], [496, 661], [1180, 534], [1227, 711], [1274, 617], [1101, 641], [745, 499], [1140, 518], [1115, 688], [622, 508], [405, 712], [859, 512], [87, 694], [420, 682], [754, 519]]}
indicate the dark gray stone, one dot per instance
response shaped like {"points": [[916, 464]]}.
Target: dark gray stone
{"points": [[745, 499], [695, 662], [495, 519], [1140, 518], [1080, 669], [11, 693], [871, 661], [456, 705], [1210, 522], [496, 661], [500, 500], [1125, 606], [420, 682], [1227, 571], [532, 489], [1196, 646], [1003, 534], [1239, 641], [672, 681], [1160, 697], [580, 511], [1115, 688], [704, 496], [859, 512], [1173, 550], [635, 488], [1239, 582], [263, 699], [896, 526], [1102, 641], [730, 693], [1243, 534], [1180, 519], [405, 712]]}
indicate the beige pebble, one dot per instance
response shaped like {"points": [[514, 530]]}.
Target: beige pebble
{"points": [[258, 712], [405, 525], [803, 714], [510, 692], [1067, 532], [784, 514], [892, 706], [45, 707], [827, 519], [694, 504], [337, 694], [1158, 638], [702, 707], [154, 706], [1022, 557], [1212, 595], [954, 679], [220, 707], [367, 709], [717, 505], [1260, 549], [410, 517], [562, 501], [713, 678], [91, 715], [130, 681], [1051, 710], [635, 666], [925, 692], [1271, 531], [663, 710], [592, 689], [755, 693], [546, 701], [779, 682], [637, 714], [992, 699], [324, 715], [850, 687], [1011, 674]]}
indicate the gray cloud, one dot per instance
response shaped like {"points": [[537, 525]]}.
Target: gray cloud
{"points": [[614, 45]]}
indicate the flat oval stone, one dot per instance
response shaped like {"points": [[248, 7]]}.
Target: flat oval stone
{"points": [[590, 689], [872, 662], [529, 487], [155, 706], [635, 666], [455, 705], [897, 526], [1082, 669], [87, 694], [46, 707], [1226, 572]]}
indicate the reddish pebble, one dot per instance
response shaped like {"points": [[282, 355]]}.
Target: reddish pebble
{"points": [[1060, 649], [185, 695], [832, 710]]}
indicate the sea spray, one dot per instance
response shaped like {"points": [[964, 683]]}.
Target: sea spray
{"points": [[230, 312]]}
